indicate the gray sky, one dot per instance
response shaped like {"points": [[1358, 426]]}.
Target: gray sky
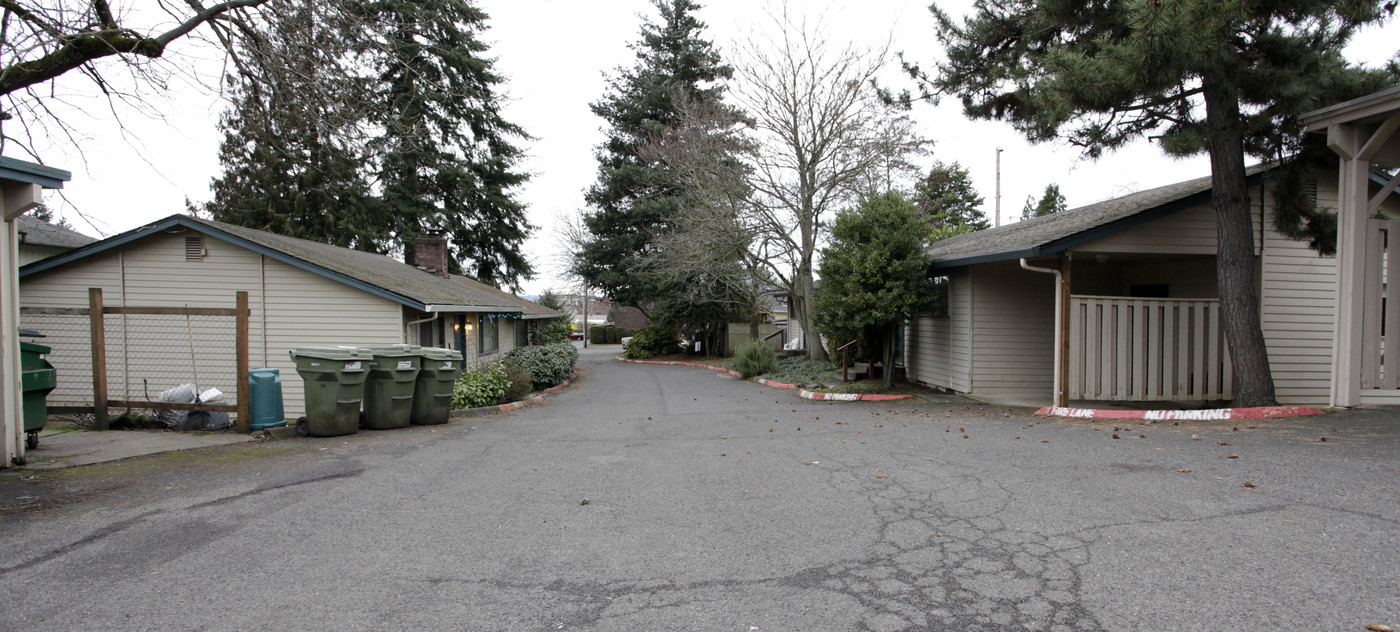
{"points": [[555, 54]]}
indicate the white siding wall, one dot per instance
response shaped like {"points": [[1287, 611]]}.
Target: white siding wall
{"points": [[1013, 335], [29, 253]]}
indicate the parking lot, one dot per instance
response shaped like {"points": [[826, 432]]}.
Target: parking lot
{"points": [[671, 498]]}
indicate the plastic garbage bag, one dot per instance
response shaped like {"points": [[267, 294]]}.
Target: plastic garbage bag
{"points": [[182, 394]]}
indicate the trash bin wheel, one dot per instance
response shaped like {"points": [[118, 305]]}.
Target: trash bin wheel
{"points": [[303, 427], [32, 441]]}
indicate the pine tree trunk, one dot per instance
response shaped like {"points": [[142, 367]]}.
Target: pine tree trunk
{"points": [[1239, 298]]}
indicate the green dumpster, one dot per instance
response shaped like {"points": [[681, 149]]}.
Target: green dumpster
{"points": [[37, 378], [335, 384], [432, 397], [265, 393], [393, 374]]}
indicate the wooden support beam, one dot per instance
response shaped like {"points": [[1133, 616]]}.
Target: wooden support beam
{"points": [[241, 390], [97, 326]]}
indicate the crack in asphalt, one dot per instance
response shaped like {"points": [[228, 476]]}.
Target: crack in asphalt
{"points": [[122, 525]]}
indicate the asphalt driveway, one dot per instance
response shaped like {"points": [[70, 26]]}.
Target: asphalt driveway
{"points": [[717, 504]]}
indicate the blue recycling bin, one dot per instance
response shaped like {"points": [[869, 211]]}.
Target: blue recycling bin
{"points": [[265, 390]]}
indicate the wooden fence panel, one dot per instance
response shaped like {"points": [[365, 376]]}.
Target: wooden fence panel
{"points": [[1133, 349]]}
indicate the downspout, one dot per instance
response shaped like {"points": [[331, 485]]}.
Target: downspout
{"points": [[1059, 314]]}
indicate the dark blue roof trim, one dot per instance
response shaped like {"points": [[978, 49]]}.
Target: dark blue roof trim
{"points": [[1093, 234], [180, 220], [21, 171]]}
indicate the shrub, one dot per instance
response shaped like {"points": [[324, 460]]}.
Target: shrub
{"points": [[755, 358], [554, 333], [481, 386], [549, 365], [651, 342], [598, 335], [519, 381]]}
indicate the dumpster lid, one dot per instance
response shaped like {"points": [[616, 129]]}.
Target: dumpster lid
{"points": [[439, 353], [395, 350], [333, 353], [33, 347], [30, 333]]}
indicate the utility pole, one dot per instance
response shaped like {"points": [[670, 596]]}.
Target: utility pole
{"points": [[585, 315], [998, 211]]}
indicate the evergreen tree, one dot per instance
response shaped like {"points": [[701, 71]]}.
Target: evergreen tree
{"points": [[448, 158], [1201, 76], [634, 197], [291, 165], [948, 201], [874, 273], [1051, 202]]}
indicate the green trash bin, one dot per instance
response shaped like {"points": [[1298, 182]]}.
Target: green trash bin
{"points": [[37, 379], [393, 374], [335, 384], [432, 397], [265, 395]]}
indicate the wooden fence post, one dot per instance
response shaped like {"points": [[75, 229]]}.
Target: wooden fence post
{"points": [[99, 358], [241, 390]]}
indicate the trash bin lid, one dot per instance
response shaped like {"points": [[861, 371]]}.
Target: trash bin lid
{"points": [[395, 350], [438, 353], [332, 353]]}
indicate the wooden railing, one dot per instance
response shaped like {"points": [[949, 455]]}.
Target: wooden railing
{"points": [[1139, 349]]}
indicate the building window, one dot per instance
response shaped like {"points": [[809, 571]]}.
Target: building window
{"points": [[489, 335], [522, 333], [942, 289]]}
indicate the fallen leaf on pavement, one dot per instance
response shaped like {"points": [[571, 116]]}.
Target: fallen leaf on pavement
{"points": [[1233, 456], [1184, 470], [1248, 484], [1376, 627], [1223, 442], [882, 476]]}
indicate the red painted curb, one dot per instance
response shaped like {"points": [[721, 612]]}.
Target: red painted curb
{"points": [[1214, 414], [849, 397]]}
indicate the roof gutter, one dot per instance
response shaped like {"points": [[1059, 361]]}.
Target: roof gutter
{"points": [[459, 309]]}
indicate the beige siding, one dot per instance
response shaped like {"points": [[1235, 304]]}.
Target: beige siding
{"points": [[1190, 232], [1297, 306], [928, 351], [289, 307], [960, 329], [306, 309], [29, 253], [68, 336], [1013, 334]]}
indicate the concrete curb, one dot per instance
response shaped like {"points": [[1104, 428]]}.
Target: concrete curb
{"points": [[1214, 414], [690, 364], [801, 392], [505, 408], [850, 397]]}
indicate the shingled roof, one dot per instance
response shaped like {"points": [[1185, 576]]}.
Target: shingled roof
{"points": [[376, 274], [1049, 234], [38, 232]]}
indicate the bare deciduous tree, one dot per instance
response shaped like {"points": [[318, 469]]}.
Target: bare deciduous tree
{"points": [[823, 138], [41, 41]]}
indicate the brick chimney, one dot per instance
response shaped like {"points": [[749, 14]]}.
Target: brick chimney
{"points": [[430, 253]]}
